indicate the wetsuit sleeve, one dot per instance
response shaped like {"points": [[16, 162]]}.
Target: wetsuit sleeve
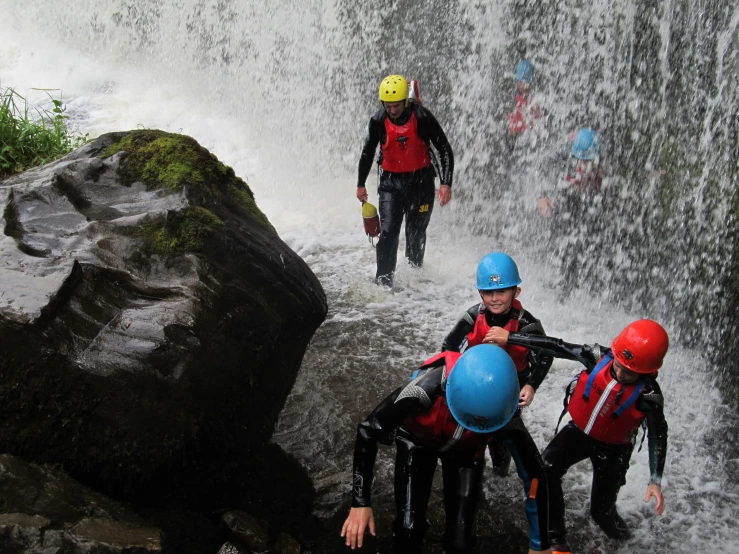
{"points": [[380, 425], [430, 130], [369, 148], [586, 354], [652, 403], [457, 337], [538, 361]]}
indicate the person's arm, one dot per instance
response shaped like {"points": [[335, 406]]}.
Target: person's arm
{"points": [[379, 427], [369, 148], [586, 354], [538, 362], [652, 403], [457, 337], [430, 130]]}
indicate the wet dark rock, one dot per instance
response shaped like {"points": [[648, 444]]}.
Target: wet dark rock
{"points": [[285, 544], [50, 513], [230, 548], [247, 531], [152, 320]]}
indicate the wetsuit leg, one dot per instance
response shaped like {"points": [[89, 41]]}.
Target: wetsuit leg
{"points": [[530, 467], [462, 490], [391, 209], [419, 205], [567, 448], [500, 455], [610, 464], [414, 473]]}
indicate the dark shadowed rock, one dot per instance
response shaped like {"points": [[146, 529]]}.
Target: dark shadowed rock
{"points": [[246, 530], [151, 318], [50, 513], [285, 544]]}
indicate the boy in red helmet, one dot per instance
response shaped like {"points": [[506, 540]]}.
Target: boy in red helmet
{"points": [[608, 403]]}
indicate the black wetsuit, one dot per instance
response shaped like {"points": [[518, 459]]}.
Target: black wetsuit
{"points": [[610, 461], [405, 194], [416, 460], [538, 365]]}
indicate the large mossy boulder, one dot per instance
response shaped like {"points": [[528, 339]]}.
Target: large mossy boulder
{"points": [[150, 317]]}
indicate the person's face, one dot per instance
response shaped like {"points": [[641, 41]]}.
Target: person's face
{"points": [[623, 374], [394, 109], [499, 301]]}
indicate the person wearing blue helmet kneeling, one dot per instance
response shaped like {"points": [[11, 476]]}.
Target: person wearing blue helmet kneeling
{"points": [[449, 412]]}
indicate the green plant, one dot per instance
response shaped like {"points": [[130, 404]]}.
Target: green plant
{"points": [[30, 135]]}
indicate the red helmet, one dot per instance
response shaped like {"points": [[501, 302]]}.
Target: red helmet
{"points": [[641, 346]]}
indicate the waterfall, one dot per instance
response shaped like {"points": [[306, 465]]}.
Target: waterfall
{"points": [[283, 93]]}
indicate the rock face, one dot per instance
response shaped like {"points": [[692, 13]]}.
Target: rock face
{"points": [[150, 316], [47, 512]]}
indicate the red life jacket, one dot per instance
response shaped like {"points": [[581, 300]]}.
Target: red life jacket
{"points": [[436, 428], [604, 408], [404, 150], [522, 117], [577, 179], [481, 328]]}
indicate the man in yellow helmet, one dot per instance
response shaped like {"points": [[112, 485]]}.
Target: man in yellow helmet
{"points": [[404, 130]]}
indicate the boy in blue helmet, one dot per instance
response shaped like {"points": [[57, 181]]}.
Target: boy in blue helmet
{"points": [[498, 283], [584, 172], [524, 113], [448, 412]]}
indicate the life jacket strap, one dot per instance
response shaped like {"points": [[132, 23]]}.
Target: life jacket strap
{"points": [[593, 374]]}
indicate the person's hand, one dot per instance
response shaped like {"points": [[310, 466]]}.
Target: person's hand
{"points": [[545, 207], [497, 336], [362, 194], [445, 195], [654, 490], [527, 396], [355, 526]]}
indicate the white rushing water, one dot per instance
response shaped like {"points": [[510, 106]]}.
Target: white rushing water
{"points": [[283, 95]]}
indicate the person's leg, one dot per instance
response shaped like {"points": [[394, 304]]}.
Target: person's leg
{"points": [[391, 219], [500, 455], [414, 473], [462, 489], [419, 205], [610, 465], [530, 468], [567, 448]]}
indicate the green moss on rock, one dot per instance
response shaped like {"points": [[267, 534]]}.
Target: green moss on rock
{"points": [[178, 232], [169, 161]]}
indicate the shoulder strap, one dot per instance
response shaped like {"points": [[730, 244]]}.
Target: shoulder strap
{"points": [[605, 360], [631, 399]]}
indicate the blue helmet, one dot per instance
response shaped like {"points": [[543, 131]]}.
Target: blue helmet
{"points": [[585, 146], [497, 271], [482, 390], [525, 71]]}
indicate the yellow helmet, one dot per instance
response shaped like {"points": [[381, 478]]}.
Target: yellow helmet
{"points": [[394, 88]]}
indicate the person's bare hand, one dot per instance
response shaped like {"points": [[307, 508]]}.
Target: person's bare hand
{"points": [[497, 336], [655, 491], [355, 526], [362, 194], [545, 207], [527, 396], [445, 195]]}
